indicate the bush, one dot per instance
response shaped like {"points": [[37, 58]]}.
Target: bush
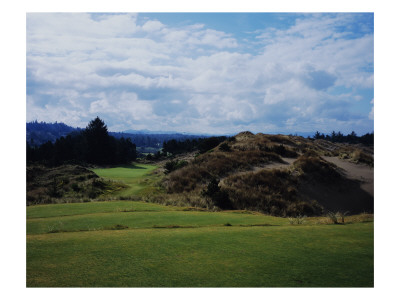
{"points": [[225, 147], [282, 151], [75, 187], [297, 220], [171, 165], [100, 184], [218, 197], [359, 156]]}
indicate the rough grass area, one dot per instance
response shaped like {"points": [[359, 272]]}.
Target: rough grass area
{"points": [[67, 183], [270, 191], [312, 166], [155, 246], [215, 164], [255, 172]]}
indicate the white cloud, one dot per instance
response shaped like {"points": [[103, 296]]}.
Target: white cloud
{"points": [[162, 76], [371, 113], [152, 26]]}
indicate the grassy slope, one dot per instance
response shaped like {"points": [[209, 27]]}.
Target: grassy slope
{"points": [[202, 252], [209, 255], [137, 177], [133, 215]]}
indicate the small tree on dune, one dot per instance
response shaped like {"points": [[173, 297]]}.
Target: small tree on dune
{"points": [[219, 197]]}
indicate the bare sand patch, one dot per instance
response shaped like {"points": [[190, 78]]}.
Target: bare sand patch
{"points": [[360, 172]]}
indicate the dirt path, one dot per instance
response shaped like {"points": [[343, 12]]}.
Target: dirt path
{"points": [[360, 172]]}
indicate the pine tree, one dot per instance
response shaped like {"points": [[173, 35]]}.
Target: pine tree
{"points": [[98, 142]]}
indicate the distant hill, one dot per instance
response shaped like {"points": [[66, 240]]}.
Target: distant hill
{"points": [[38, 133]]}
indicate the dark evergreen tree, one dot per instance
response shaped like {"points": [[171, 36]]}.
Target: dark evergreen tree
{"points": [[98, 142], [93, 145], [317, 135]]}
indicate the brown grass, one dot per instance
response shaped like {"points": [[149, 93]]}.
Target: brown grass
{"points": [[269, 191], [312, 166], [359, 218], [65, 184], [215, 164], [358, 156]]}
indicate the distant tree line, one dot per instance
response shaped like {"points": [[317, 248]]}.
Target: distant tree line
{"points": [[38, 133], [173, 146], [352, 138], [93, 145], [200, 144]]}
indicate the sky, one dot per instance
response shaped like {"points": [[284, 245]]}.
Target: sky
{"points": [[215, 73]]}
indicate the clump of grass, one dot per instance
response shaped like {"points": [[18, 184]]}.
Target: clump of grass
{"points": [[335, 217], [297, 220], [359, 156], [331, 217], [225, 147], [283, 151], [217, 196], [55, 228], [173, 165], [341, 215]]}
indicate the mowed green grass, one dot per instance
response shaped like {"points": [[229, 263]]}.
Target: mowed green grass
{"points": [[133, 215], [201, 252], [137, 176], [76, 245]]}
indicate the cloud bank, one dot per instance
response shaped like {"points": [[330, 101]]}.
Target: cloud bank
{"points": [[140, 73]]}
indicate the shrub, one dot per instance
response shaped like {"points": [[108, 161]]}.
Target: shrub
{"points": [[333, 217], [283, 151], [75, 187], [100, 184], [171, 165], [359, 156], [219, 197], [297, 220], [93, 193], [225, 147]]}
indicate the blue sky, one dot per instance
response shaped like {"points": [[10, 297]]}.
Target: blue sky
{"points": [[213, 73]]}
